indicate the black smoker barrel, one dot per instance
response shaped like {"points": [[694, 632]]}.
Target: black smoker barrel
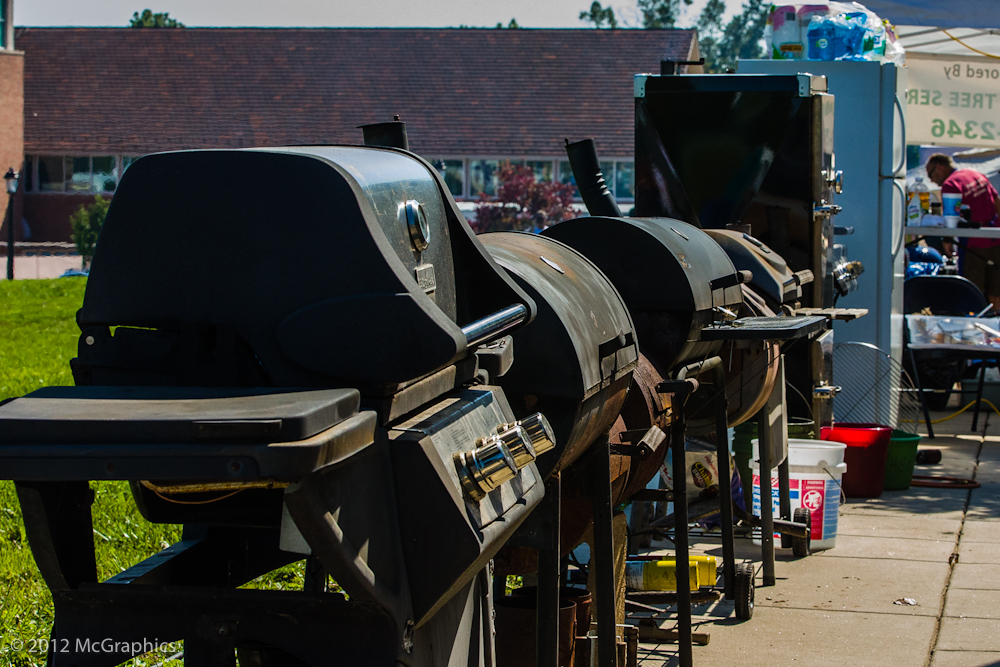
{"points": [[575, 360], [673, 277]]}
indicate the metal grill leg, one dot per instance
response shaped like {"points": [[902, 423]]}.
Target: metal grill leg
{"points": [[603, 558], [766, 508], [725, 483], [920, 394], [681, 556], [979, 396], [547, 630]]}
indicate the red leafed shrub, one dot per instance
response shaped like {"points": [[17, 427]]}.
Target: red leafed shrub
{"points": [[522, 203]]}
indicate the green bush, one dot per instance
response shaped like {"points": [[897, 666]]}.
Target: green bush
{"points": [[86, 223]]}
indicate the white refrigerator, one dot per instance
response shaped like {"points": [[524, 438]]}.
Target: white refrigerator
{"points": [[870, 148]]}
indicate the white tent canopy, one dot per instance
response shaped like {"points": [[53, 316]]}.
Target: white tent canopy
{"points": [[939, 13], [959, 42]]}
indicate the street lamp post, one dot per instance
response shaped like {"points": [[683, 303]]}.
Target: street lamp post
{"points": [[11, 178]]}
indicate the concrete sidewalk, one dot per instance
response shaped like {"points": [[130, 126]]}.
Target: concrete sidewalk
{"points": [[940, 547]]}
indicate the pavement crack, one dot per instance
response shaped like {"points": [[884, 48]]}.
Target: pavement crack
{"points": [[953, 560]]}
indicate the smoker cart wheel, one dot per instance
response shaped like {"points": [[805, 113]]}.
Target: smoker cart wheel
{"points": [[744, 591], [800, 545]]}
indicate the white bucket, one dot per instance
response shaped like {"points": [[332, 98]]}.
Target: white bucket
{"points": [[815, 468]]}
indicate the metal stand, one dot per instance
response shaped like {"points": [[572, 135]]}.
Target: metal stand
{"points": [[547, 629], [725, 481], [681, 555], [540, 531], [784, 500], [681, 388], [766, 510], [603, 557], [920, 393], [979, 396]]}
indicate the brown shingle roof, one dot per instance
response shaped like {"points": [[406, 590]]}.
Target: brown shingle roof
{"points": [[461, 92]]}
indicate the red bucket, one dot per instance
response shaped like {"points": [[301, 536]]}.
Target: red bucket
{"points": [[867, 448]]}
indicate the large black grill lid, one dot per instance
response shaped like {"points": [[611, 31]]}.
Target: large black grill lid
{"points": [[671, 276], [336, 265], [575, 360], [655, 263], [704, 143]]}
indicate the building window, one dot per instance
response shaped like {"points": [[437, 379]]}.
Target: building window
{"points": [[483, 177], [543, 170], [50, 173], [73, 174], [104, 173], [3, 24], [625, 180], [453, 173], [77, 174], [91, 174]]}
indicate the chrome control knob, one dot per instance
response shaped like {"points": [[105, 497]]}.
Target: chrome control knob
{"points": [[540, 432], [486, 468], [517, 440]]}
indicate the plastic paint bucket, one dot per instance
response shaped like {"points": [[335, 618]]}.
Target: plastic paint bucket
{"points": [[900, 460], [743, 449], [867, 448], [815, 469]]}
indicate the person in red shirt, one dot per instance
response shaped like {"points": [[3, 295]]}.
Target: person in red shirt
{"points": [[984, 204]]}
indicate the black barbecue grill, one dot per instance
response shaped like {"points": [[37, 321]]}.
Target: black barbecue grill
{"points": [[292, 378]]}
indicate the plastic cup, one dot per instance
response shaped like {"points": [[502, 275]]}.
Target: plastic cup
{"points": [[950, 201]]}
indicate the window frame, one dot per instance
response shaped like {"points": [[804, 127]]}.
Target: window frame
{"points": [[465, 171], [119, 167]]}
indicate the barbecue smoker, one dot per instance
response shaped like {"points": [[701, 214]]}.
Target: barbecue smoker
{"points": [[755, 157]]}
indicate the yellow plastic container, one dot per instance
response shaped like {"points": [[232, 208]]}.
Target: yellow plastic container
{"points": [[661, 575], [706, 569]]}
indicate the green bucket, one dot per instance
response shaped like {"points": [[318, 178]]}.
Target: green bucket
{"points": [[743, 449], [899, 462]]}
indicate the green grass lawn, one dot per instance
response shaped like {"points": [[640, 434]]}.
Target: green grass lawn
{"points": [[38, 337]]}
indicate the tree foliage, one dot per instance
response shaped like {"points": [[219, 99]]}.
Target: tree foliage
{"points": [[522, 203], [86, 223], [743, 34], [600, 16], [150, 20], [660, 13], [710, 30], [510, 26], [740, 38]]}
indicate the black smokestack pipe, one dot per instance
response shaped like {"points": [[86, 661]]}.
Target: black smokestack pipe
{"points": [[589, 179], [391, 134]]}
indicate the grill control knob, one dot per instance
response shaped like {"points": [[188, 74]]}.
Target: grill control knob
{"points": [[517, 440], [540, 433], [486, 467]]}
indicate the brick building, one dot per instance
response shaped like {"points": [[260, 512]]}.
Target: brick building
{"points": [[11, 107], [96, 98]]}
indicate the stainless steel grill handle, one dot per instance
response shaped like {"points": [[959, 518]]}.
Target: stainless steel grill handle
{"points": [[495, 325]]}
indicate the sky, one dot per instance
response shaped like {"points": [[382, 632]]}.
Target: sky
{"points": [[336, 13]]}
